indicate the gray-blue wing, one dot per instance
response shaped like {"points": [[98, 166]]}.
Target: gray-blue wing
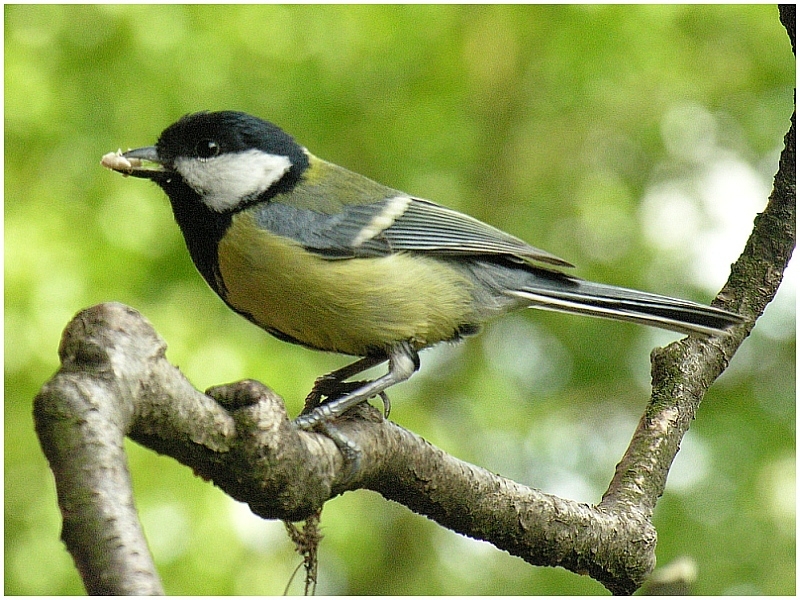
{"points": [[396, 224]]}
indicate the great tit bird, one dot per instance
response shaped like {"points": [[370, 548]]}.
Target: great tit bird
{"points": [[323, 257]]}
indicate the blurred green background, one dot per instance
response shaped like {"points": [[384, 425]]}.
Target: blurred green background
{"points": [[636, 142]]}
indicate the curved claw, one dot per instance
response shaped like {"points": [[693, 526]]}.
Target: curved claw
{"points": [[351, 453], [387, 404]]}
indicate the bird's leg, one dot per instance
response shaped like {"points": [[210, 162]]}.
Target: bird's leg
{"points": [[403, 362], [333, 384]]}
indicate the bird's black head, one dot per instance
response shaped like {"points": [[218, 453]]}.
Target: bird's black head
{"points": [[204, 135], [227, 159], [212, 165]]}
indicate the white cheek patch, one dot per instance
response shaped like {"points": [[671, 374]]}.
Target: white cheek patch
{"points": [[224, 181]]}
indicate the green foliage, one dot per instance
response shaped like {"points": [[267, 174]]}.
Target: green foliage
{"points": [[636, 141]]}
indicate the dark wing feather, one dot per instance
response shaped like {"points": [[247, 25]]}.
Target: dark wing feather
{"points": [[397, 224], [428, 227]]}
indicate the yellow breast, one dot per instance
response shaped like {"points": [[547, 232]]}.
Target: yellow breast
{"points": [[352, 306]]}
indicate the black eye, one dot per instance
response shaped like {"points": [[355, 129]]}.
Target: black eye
{"points": [[207, 149]]}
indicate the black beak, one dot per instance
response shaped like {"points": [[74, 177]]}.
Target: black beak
{"points": [[141, 162]]}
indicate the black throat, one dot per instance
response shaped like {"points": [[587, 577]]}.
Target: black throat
{"points": [[202, 229]]}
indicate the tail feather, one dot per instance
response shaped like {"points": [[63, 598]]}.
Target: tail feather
{"points": [[599, 300]]}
